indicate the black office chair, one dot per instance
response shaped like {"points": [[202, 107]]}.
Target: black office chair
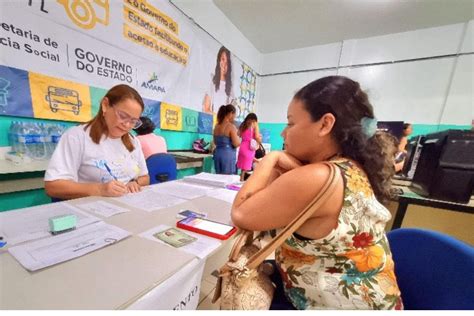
{"points": [[161, 168]]}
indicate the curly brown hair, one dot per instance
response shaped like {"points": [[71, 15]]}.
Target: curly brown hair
{"points": [[344, 98], [217, 74]]}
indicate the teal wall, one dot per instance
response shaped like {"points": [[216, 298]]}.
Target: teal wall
{"points": [[418, 129], [9, 201], [175, 141]]}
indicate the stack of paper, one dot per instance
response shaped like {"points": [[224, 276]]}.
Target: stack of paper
{"points": [[149, 200], [33, 222], [49, 251], [223, 194], [181, 189], [217, 180]]}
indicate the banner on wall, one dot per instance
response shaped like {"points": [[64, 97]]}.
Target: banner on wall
{"points": [[149, 45], [171, 117], [205, 123]]}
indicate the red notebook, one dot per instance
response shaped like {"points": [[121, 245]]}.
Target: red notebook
{"points": [[207, 227]]}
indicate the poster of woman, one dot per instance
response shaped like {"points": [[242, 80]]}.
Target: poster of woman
{"points": [[220, 90]]}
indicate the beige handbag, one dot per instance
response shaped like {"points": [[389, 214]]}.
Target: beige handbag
{"points": [[244, 282]]}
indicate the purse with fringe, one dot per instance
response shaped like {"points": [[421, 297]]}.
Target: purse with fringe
{"points": [[244, 281]]}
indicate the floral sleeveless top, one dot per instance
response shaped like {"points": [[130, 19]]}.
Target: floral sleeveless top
{"points": [[350, 268]]}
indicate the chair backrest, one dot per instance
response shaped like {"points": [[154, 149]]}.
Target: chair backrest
{"points": [[434, 270], [161, 168]]}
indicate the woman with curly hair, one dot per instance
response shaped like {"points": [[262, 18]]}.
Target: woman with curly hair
{"points": [[340, 257], [220, 92]]}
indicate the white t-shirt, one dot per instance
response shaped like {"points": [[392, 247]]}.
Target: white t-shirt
{"points": [[79, 159], [219, 97]]}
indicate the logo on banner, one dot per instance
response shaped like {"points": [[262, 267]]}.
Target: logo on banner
{"points": [[94, 63], [86, 13], [152, 84], [63, 99]]}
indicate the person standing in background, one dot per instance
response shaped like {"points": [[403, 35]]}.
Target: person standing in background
{"points": [[225, 140], [220, 91], [402, 151], [407, 130], [150, 142], [101, 158], [250, 134]]}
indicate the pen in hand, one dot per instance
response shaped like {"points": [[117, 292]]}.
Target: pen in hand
{"points": [[110, 171]]}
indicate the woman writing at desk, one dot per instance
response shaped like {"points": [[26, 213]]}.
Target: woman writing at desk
{"points": [[101, 158], [340, 257]]}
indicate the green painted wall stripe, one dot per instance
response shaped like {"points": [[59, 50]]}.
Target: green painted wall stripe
{"points": [[16, 200], [418, 129]]}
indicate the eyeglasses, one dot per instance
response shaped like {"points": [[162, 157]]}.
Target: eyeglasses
{"points": [[125, 118]]}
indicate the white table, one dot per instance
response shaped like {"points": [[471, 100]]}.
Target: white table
{"points": [[113, 277]]}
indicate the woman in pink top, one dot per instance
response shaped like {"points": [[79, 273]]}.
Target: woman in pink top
{"points": [[249, 133], [151, 143]]}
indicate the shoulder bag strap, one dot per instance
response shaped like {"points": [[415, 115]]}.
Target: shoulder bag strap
{"points": [[326, 191]]}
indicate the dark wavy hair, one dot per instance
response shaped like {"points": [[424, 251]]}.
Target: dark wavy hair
{"points": [[115, 95], [147, 126], [217, 74], [223, 111], [344, 98], [247, 121]]}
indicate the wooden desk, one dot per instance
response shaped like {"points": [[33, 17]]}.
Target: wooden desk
{"points": [[410, 197], [113, 277]]}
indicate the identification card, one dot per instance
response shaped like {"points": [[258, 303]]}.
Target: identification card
{"points": [[175, 237]]}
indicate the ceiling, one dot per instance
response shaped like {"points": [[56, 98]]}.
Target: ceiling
{"points": [[276, 25]]}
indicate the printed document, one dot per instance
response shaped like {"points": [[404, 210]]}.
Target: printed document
{"points": [[149, 200], [102, 208], [211, 179], [181, 189], [33, 222], [223, 194], [201, 247], [46, 252]]}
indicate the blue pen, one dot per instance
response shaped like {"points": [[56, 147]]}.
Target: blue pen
{"points": [[2, 243], [110, 171]]}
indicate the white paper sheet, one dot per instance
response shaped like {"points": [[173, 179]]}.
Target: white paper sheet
{"points": [[33, 223], [201, 248], [149, 200], [223, 194], [102, 208], [46, 252], [218, 180], [182, 189]]}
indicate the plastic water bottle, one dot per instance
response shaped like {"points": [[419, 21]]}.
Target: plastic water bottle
{"points": [[44, 142], [12, 138], [21, 136], [34, 143], [55, 131]]}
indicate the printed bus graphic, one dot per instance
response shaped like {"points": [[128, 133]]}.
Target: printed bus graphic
{"points": [[171, 117], [63, 99]]}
